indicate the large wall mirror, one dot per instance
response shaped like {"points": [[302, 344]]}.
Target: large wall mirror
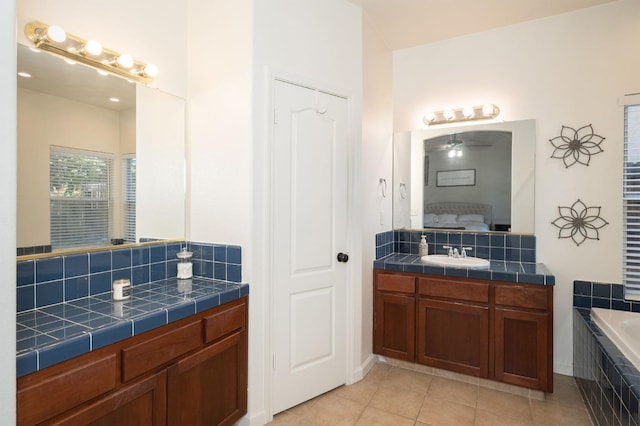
{"points": [[478, 178], [90, 165]]}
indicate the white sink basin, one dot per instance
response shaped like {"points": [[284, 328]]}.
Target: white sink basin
{"points": [[455, 262]]}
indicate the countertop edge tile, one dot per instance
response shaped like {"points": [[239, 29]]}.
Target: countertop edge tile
{"points": [[498, 270], [208, 293]]}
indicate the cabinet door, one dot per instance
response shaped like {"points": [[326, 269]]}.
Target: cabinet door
{"points": [[141, 403], [522, 348], [453, 336], [210, 386], [394, 326]]}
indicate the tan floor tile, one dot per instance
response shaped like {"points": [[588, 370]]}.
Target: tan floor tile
{"points": [[378, 372], [375, 417], [398, 401], [333, 410], [565, 391], [285, 419], [486, 418], [360, 392], [504, 404], [302, 409], [546, 413], [451, 390], [407, 379], [438, 412]]}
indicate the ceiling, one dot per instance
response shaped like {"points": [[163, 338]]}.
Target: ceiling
{"points": [[407, 23], [52, 75]]}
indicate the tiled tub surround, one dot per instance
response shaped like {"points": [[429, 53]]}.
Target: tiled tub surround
{"points": [[609, 383], [52, 280], [55, 333], [495, 246]]}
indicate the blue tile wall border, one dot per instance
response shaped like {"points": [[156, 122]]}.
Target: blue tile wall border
{"points": [[508, 247], [47, 281]]}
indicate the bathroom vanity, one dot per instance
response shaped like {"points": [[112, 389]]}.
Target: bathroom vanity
{"points": [[189, 371], [489, 328]]}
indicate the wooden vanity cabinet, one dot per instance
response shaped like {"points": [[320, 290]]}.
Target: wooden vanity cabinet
{"points": [[453, 325], [523, 328], [489, 329], [192, 371], [394, 316]]}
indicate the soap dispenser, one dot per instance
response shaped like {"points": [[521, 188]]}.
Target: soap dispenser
{"points": [[423, 248]]}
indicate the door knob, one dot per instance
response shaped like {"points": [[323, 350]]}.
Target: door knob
{"points": [[343, 257]]}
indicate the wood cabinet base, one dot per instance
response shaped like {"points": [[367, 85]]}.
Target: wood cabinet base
{"points": [[489, 329], [190, 372]]}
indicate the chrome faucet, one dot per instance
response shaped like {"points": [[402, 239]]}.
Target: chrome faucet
{"points": [[465, 250]]}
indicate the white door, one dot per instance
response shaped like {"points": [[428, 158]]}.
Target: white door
{"points": [[310, 183]]}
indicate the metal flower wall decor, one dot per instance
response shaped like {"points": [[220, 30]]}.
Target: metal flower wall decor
{"points": [[579, 222], [576, 146]]}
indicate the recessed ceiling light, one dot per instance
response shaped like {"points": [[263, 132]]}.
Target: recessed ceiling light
{"points": [[114, 99], [24, 74]]}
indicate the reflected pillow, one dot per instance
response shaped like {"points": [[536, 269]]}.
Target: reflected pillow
{"points": [[429, 218], [471, 218], [446, 218]]}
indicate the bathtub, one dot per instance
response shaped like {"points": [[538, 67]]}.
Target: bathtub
{"points": [[623, 328]]}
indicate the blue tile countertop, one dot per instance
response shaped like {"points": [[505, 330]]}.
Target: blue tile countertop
{"points": [[49, 335], [520, 272]]}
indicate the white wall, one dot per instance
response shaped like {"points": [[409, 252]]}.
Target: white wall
{"points": [[569, 70], [377, 146], [8, 211]]}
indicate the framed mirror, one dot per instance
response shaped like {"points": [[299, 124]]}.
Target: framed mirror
{"points": [[101, 160], [477, 178]]}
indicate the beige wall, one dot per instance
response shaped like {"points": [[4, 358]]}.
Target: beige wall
{"points": [[45, 121], [376, 154], [568, 70]]}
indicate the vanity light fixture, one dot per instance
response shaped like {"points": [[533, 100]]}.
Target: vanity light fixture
{"points": [[89, 52], [481, 112]]}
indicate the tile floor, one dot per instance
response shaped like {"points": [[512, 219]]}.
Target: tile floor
{"points": [[397, 396]]}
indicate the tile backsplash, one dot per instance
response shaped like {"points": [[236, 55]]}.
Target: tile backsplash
{"points": [[508, 247], [51, 280]]}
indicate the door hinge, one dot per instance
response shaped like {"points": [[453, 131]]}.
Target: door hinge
{"points": [[275, 116], [273, 360]]}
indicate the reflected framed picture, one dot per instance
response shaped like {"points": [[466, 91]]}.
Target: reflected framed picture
{"points": [[465, 177]]}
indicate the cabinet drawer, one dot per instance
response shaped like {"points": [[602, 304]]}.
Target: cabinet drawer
{"points": [[522, 297], [224, 322], [145, 356], [467, 291], [396, 283], [64, 391]]}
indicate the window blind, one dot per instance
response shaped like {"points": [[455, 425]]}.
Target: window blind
{"points": [[80, 191], [129, 198], [631, 197]]}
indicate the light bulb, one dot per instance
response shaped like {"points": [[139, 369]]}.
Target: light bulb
{"points": [[151, 70], [70, 62], [114, 99], [93, 48], [467, 112], [24, 74], [449, 114], [430, 117], [56, 33], [125, 60], [488, 109], [102, 72], [451, 154]]}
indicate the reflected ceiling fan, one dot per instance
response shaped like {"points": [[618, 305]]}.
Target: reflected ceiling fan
{"points": [[453, 144]]}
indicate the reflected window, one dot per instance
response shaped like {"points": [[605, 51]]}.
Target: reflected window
{"points": [[80, 190], [631, 191], [129, 198]]}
